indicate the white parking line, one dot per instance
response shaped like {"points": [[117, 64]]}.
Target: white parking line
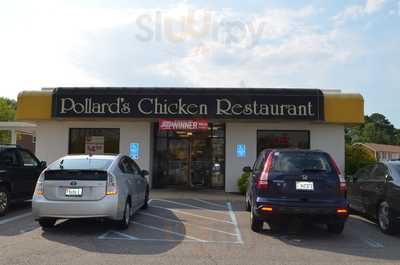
{"points": [[186, 223], [211, 204], [106, 235], [235, 223], [190, 206], [5, 221], [169, 232], [374, 244], [192, 214]]}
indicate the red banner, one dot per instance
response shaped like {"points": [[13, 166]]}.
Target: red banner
{"points": [[183, 125]]}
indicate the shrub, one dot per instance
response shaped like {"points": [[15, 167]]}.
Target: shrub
{"points": [[356, 158], [242, 182]]}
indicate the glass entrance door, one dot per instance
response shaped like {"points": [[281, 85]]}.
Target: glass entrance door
{"points": [[190, 159], [178, 162], [189, 162], [200, 162]]}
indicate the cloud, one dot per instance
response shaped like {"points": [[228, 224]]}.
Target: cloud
{"points": [[373, 6], [355, 11]]}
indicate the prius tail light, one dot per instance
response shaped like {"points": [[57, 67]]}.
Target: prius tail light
{"points": [[342, 180], [39, 189], [262, 182], [111, 188]]}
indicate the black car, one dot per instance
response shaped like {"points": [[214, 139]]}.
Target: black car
{"points": [[301, 183], [375, 191], [19, 171]]}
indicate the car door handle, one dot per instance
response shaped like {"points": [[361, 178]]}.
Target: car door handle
{"points": [[3, 171]]}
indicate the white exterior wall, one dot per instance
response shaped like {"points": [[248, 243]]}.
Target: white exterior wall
{"points": [[326, 137], [52, 138]]}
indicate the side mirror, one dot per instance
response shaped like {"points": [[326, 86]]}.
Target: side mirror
{"points": [[43, 164], [145, 173], [247, 169], [389, 178], [354, 179]]}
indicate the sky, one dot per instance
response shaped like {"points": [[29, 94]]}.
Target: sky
{"points": [[349, 45]]}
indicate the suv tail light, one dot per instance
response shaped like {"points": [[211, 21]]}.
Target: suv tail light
{"points": [[39, 189], [111, 188], [262, 182], [342, 180]]}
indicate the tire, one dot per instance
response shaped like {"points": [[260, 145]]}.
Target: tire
{"points": [[385, 220], [275, 226], [146, 200], [124, 223], [248, 206], [256, 224], [4, 200], [47, 223], [336, 228]]}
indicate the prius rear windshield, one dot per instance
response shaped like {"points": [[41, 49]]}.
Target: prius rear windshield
{"points": [[396, 168], [81, 163], [301, 162]]}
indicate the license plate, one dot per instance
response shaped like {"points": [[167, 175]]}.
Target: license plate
{"points": [[76, 192], [304, 185]]}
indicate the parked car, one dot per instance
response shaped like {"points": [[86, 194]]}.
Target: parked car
{"points": [[85, 186], [375, 191], [303, 183], [19, 171]]}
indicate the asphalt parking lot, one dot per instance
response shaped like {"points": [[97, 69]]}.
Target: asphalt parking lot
{"points": [[180, 227]]}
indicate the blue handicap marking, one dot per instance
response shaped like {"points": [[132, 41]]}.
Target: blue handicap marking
{"points": [[134, 151], [241, 150]]}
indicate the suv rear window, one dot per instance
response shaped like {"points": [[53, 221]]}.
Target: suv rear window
{"points": [[301, 162], [81, 163]]}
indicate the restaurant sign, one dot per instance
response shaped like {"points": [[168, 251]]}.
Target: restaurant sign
{"points": [[189, 103]]}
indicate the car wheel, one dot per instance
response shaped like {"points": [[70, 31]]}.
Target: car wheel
{"points": [[146, 200], [275, 226], [47, 223], [385, 221], [4, 200], [336, 228], [256, 224], [248, 206], [126, 219]]}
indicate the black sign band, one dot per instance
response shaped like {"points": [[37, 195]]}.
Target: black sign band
{"points": [[286, 104]]}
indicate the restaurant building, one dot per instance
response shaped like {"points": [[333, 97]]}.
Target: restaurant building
{"points": [[188, 137]]}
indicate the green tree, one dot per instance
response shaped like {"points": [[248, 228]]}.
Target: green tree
{"points": [[376, 129], [356, 158], [7, 109], [7, 113]]}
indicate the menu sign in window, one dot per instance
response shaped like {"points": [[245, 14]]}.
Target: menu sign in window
{"points": [[94, 145]]}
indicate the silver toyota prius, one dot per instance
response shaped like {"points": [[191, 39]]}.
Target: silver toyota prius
{"points": [[85, 186]]}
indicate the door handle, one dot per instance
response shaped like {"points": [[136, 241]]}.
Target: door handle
{"points": [[3, 171]]}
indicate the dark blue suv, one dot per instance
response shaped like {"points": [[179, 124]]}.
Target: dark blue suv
{"points": [[303, 183]]}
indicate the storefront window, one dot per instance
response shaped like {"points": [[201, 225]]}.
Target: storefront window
{"points": [[94, 141], [282, 139]]}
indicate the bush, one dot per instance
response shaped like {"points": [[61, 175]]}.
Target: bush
{"points": [[242, 182], [356, 158]]}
